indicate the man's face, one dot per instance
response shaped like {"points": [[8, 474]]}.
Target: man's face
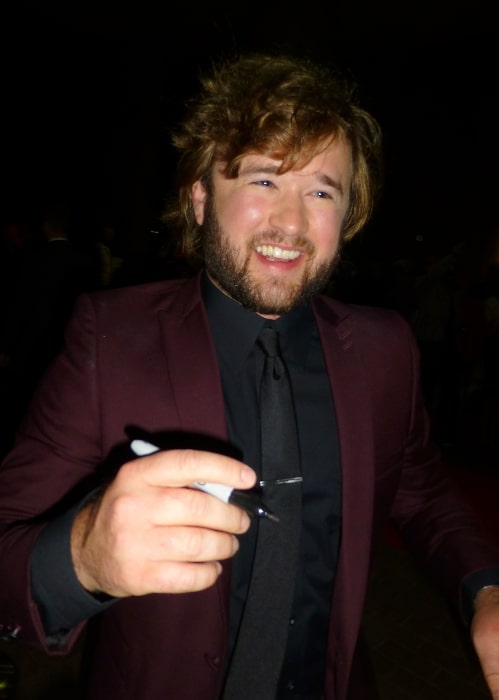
{"points": [[272, 240]]}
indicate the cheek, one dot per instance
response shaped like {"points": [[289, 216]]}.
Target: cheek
{"points": [[327, 228], [240, 212]]}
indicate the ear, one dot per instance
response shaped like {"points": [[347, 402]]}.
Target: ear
{"points": [[198, 196]]}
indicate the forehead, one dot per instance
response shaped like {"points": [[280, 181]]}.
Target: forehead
{"points": [[334, 161]]}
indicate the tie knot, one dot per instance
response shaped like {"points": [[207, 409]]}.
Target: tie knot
{"points": [[269, 341]]}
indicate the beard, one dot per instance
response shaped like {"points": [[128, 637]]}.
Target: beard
{"points": [[273, 296]]}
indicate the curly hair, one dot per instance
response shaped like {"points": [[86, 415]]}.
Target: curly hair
{"points": [[285, 107]]}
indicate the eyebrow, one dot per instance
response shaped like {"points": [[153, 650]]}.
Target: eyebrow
{"points": [[326, 180], [269, 169]]}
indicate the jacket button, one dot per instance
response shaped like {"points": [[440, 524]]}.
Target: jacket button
{"points": [[213, 661]]}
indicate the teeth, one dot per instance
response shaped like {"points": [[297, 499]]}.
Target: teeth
{"points": [[273, 251]]}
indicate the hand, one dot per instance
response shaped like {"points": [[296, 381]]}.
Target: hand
{"points": [[149, 534], [485, 635]]}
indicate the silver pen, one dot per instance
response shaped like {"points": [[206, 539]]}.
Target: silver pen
{"points": [[247, 500]]}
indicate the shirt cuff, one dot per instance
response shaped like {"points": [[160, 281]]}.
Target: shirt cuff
{"points": [[62, 601]]}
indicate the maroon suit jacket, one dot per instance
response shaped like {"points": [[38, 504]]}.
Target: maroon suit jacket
{"points": [[144, 356]]}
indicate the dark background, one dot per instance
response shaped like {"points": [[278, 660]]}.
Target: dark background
{"points": [[90, 91]]}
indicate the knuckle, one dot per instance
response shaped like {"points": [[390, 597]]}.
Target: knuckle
{"points": [[186, 458], [184, 543], [128, 471], [197, 503], [184, 577], [194, 544], [196, 577], [122, 509]]}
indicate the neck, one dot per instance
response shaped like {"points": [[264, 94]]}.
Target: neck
{"points": [[269, 317]]}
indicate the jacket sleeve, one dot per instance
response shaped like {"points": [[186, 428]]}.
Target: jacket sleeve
{"points": [[53, 465], [440, 527]]}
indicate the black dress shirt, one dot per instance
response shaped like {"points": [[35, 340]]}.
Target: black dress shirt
{"points": [[235, 330]]}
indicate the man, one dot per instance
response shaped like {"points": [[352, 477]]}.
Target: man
{"points": [[277, 169]]}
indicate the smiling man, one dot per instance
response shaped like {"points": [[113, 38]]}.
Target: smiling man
{"points": [[272, 238], [277, 169]]}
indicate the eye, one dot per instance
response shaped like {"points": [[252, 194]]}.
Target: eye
{"points": [[321, 194], [263, 183]]}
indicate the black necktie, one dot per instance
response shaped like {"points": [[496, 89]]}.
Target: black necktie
{"points": [[256, 664]]}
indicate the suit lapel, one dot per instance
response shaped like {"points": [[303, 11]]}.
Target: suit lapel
{"points": [[350, 387], [192, 364]]}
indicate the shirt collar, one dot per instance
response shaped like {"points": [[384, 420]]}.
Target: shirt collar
{"points": [[235, 328]]}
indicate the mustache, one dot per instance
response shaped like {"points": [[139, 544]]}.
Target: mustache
{"points": [[271, 237]]}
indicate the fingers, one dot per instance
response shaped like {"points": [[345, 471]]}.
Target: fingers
{"points": [[136, 510], [170, 560], [182, 577], [183, 467], [141, 557], [196, 545], [151, 533]]}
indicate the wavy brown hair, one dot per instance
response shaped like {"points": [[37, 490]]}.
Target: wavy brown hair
{"points": [[285, 107]]}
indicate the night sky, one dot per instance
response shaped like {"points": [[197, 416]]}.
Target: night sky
{"points": [[90, 91]]}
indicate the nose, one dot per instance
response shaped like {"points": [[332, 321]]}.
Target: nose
{"points": [[289, 215]]}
